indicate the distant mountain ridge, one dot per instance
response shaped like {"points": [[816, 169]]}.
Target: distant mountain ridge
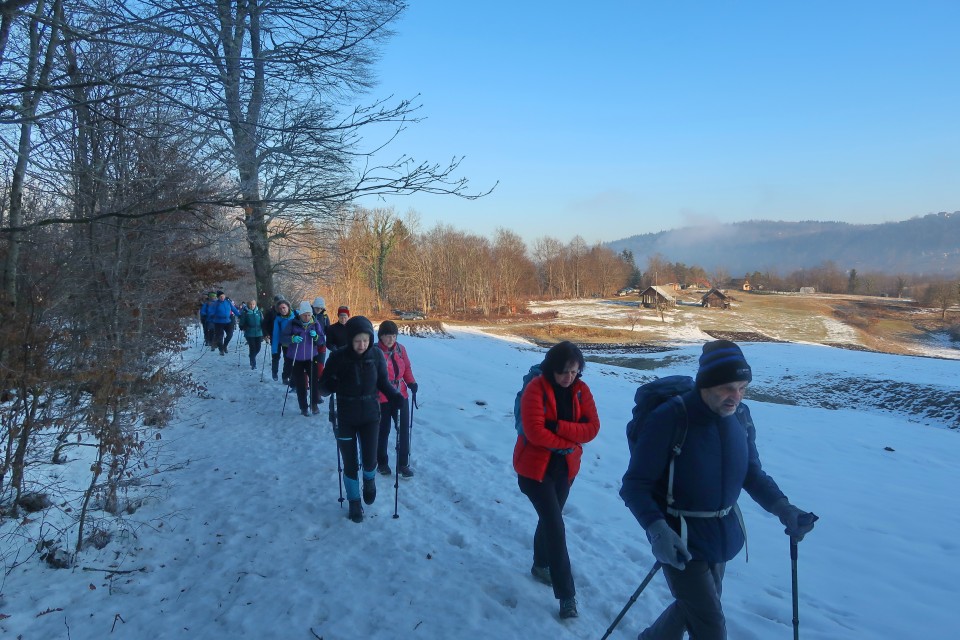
{"points": [[923, 245]]}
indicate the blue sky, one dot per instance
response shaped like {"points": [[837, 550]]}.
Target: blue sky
{"points": [[609, 119]]}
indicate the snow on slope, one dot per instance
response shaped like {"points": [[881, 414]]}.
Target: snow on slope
{"points": [[246, 539]]}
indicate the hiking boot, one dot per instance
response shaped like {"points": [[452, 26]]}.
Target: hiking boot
{"points": [[356, 511], [384, 469], [213, 347], [223, 352], [315, 409], [541, 574], [369, 490], [568, 608], [406, 472], [275, 377], [304, 413]]}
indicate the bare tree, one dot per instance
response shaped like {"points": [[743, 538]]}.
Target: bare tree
{"points": [[512, 267], [43, 38], [549, 255], [941, 295], [279, 82]]}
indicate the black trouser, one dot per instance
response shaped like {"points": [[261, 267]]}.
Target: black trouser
{"points": [[301, 376], [347, 437], [275, 365], [550, 538], [386, 419], [207, 333], [222, 332], [696, 607], [254, 345]]}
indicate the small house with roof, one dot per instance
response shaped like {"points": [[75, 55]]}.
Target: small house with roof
{"points": [[715, 299], [656, 296]]}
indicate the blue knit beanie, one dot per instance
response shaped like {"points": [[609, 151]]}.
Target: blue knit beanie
{"points": [[722, 362]]}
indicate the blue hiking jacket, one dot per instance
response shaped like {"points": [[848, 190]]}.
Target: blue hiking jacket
{"points": [[279, 324], [220, 312], [719, 459]]}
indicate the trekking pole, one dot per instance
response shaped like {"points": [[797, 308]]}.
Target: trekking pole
{"points": [[633, 598], [263, 354], [396, 472], [285, 395], [413, 405], [313, 396], [809, 518], [285, 400], [333, 421]]}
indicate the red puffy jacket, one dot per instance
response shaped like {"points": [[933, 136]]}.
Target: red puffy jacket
{"points": [[398, 368], [538, 405]]}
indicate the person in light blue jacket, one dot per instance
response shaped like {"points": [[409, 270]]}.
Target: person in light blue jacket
{"points": [[283, 317], [692, 521]]}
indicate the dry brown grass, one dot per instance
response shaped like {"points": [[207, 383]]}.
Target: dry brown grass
{"points": [[859, 322]]}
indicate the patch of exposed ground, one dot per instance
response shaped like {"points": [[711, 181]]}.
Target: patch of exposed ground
{"points": [[741, 336], [921, 402]]}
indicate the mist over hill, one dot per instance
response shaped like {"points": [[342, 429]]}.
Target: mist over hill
{"points": [[923, 245]]}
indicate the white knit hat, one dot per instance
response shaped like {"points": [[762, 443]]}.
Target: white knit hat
{"points": [[304, 308], [319, 303]]}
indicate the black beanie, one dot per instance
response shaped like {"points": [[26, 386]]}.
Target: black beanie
{"points": [[357, 325], [722, 361], [388, 328]]}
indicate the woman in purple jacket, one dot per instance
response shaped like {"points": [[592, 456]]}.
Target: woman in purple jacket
{"points": [[302, 335]]}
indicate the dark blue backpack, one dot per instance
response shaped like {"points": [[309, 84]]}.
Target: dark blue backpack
{"points": [[651, 395]]}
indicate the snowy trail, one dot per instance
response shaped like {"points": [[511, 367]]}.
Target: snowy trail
{"points": [[246, 538]]}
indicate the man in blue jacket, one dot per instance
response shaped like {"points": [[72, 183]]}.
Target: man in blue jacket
{"points": [[692, 522], [221, 315]]}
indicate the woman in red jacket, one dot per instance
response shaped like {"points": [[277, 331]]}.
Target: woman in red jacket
{"points": [[401, 377], [558, 415]]}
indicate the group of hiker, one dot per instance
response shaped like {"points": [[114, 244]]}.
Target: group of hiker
{"points": [[692, 446], [692, 451], [370, 375]]}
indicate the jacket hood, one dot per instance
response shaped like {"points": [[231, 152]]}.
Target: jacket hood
{"points": [[357, 325]]}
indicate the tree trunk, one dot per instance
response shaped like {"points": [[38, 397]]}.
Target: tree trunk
{"points": [[37, 75], [257, 239]]}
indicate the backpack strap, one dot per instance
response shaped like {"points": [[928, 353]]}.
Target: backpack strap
{"points": [[676, 447], [683, 514]]}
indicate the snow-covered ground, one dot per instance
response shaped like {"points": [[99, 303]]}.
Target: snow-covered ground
{"points": [[242, 536]]}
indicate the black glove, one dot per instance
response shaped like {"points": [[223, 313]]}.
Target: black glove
{"points": [[396, 402], [413, 386], [551, 425]]}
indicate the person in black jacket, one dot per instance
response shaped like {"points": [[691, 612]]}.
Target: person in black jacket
{"points": [[355, 373], [337, 331]]}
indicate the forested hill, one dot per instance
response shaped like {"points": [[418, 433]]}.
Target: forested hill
{"points": [[922, 245]]}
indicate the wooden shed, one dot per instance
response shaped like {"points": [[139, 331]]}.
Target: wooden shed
{"points": [[656, 297], [715, 299]]}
